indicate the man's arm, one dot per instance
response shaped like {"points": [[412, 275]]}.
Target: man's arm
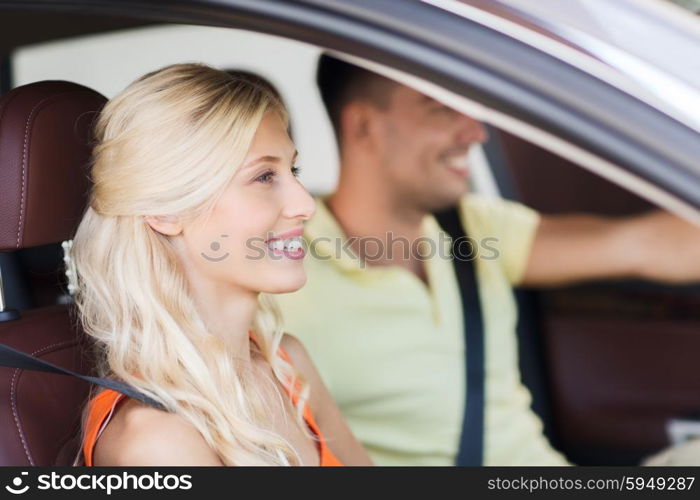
{"points": [[657, 246]]}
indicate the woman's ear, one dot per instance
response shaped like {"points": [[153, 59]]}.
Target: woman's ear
{"points": [[169, 225]]}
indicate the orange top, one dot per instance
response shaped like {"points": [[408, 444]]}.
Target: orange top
{"points": [[104, 404]]}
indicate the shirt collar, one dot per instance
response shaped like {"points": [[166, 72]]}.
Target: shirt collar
{"points": [[327, 241]]}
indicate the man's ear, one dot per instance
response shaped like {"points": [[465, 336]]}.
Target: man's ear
{"points": [[169, 225], [360, 121]]}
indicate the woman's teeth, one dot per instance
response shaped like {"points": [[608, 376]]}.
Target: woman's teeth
{"points": [[289, 245]]}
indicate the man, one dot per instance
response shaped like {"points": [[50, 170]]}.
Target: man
{"points": [[384, 323]]}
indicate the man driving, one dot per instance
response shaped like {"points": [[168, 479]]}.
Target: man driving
{"points": [[383, 320]]}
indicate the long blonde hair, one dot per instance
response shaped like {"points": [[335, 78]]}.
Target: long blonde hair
{"points": [[170, 144]]}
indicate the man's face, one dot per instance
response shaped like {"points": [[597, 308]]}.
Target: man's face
{"points": [[424, 149]]}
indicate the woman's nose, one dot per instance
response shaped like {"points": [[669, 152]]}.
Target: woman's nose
{"points": [[300, 204]]}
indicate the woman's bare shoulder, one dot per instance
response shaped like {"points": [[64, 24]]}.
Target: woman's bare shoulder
{"points": [[301, 360], [296, 350], [325, 411], [140, 435]]}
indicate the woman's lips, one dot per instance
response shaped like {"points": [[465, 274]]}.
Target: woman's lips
{"points": [[290, 254], [289, 234], [291, 248]]}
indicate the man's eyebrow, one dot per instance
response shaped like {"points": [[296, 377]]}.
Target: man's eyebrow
{"points": [[269, 159]]}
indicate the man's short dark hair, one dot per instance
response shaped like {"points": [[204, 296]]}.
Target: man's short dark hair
{"points": [[340, 83]]}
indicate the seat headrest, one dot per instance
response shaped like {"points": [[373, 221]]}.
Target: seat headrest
{"points": [[45, 146]]}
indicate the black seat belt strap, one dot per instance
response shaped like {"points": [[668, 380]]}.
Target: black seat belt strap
{"points": [[471, 448], [13, 358]]}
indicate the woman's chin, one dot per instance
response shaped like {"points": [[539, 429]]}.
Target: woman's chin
{"points": [[286, 284]]}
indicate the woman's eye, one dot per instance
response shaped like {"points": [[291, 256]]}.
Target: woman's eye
{"points": [[269, 176], [266, 178]]}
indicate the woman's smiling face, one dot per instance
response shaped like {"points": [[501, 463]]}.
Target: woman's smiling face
{"points": [[251, 239]]}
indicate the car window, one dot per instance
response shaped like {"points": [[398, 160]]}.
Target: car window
{"points": [[109, 62]]}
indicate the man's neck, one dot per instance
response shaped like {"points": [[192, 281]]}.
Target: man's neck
{"points": [[370, 216]]}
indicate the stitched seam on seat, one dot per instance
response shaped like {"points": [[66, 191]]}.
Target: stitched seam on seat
{"points": [[24, 165], [13, 398], [25, 152]]}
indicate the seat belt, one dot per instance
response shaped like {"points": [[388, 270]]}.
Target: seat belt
{"points": [[13, 358], [471, 447]]}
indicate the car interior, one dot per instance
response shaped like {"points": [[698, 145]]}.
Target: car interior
{"points": [[610, 364]]}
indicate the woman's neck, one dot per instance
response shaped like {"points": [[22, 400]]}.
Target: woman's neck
{"points": [[227, 312]]}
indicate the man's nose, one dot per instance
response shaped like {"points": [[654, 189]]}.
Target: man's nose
{"points": [[471, 130]]}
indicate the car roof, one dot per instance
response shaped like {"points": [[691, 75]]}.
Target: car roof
{"points": [[525, 67], [647, 47]]}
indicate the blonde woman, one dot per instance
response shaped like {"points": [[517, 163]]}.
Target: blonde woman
{"points": [[195, 217]]}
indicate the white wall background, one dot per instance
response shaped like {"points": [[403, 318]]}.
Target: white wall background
{"points": [[109, 62]]}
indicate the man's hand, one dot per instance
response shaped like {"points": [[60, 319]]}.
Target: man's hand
{"points": [[671, 250], [657, 246]]}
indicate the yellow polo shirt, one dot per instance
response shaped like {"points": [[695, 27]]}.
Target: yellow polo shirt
{"points": [[391, 349]]}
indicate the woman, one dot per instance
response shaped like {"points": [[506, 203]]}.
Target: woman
{"points": [[195, 216]]}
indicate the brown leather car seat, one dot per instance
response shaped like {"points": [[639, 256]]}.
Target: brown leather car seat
{"points": [[45, 131]]}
